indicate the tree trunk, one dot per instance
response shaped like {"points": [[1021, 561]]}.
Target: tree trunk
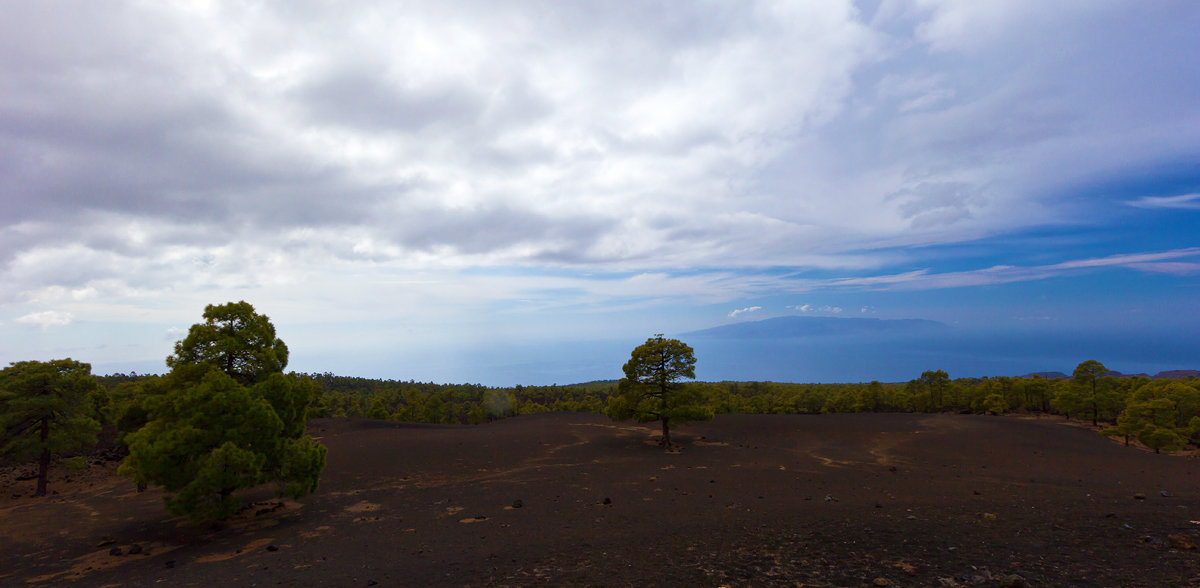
{"points": [[666, 434], [44, 460]]}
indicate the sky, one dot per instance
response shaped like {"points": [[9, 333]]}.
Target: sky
{"points": [[521, 192]]}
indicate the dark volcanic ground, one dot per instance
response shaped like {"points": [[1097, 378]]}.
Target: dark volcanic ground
{"points": [[834, 500]]}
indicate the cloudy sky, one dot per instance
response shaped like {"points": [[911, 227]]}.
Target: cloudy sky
{"points": [[515, 192]]}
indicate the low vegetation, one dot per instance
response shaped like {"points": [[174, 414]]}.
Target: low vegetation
{"points": [[226, 417], [1159, 413]]}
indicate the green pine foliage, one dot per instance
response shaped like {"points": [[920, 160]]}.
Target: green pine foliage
{"points": [[223, 420], [233, 339], [47, 408], [653, 390], [459, 404]]}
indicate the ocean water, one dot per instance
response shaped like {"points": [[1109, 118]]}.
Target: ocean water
{"points": [[830, 359], [895, 358], [959, 353]]}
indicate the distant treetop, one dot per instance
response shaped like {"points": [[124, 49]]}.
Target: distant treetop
{"points": [[234, 339]]}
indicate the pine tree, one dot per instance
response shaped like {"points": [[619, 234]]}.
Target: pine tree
{"points": [[651, 389], [229, 419], [44, 409]]}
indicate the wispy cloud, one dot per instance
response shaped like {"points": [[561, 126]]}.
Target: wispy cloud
{"points": [[747, 310], [1183, 201], [1139, 260], [1003, 274], [1177, 268]]}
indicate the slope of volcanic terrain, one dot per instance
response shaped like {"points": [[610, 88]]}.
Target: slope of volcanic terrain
{"points": [[833, 500]]}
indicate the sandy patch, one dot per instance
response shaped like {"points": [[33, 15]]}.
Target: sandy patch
{"points": [[251, 546], [102, 560], [316, 532], [362, 506]]}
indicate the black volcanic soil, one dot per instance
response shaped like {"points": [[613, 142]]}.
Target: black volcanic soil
{"points": [[835, 500]]}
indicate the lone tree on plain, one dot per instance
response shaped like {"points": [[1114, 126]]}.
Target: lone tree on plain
{"points": [[228, 419], [652, 391], [44, 410]]}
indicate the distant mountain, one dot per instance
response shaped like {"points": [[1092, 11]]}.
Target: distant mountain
{"points": [[1116, 374], [1046, 375], [1177, 374], [1168, 375], [785, 327]]}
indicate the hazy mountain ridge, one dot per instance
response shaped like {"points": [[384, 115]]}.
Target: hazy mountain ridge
{"points": [[1164, 375], [814, 326], [768, 343]]}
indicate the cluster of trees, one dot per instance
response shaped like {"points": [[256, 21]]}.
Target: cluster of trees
{"points": [[1158, 413], [1161, 414], [465, 404], [224, 418]]}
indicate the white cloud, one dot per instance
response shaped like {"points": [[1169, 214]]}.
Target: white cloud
{"points": [[949, 25], [46, 319], [365, 160], [747, 310], [576, 135], [806, 308]]}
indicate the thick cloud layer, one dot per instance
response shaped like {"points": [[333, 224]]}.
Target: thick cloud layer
{"points": [[159, 154]]}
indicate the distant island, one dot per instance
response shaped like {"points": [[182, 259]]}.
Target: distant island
{"points": [[816, 326]]}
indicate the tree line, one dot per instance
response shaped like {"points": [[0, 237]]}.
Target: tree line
{"points": [[464, 404], [1158, 413], [226, 417]]}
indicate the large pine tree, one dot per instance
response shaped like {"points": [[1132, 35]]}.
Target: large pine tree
{"points": [[44, 410], [652, 389], [229, 419]]}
